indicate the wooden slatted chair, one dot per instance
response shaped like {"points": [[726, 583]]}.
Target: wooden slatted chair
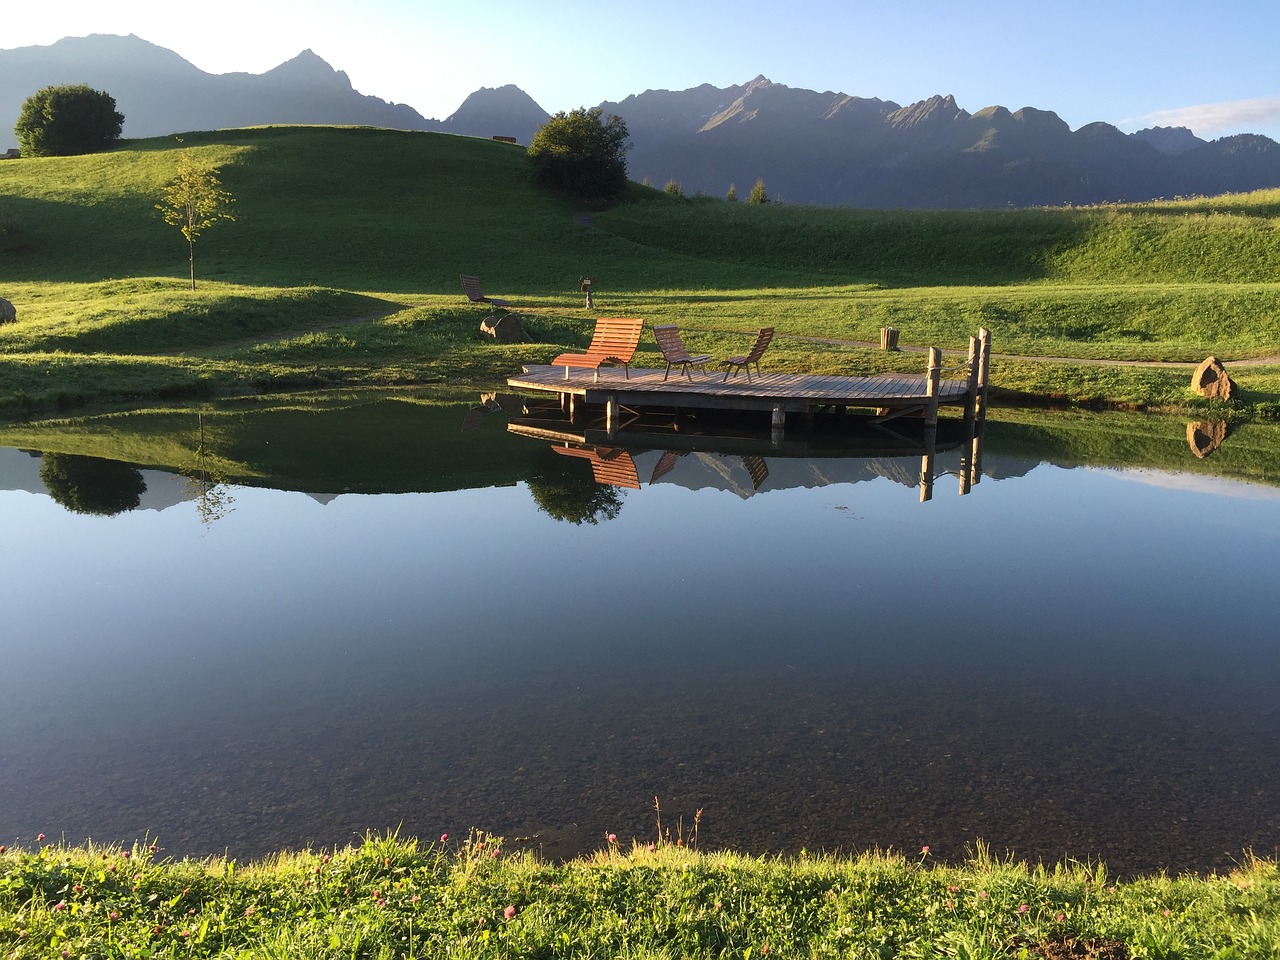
{"points": [[614, 340], [744, 362], [675, 352], [471, 287]]}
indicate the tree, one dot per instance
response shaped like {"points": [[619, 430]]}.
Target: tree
{"points": [[732, 195], [583, 153], [62, 121], [674, 188], [757, 193], [194, 201]]}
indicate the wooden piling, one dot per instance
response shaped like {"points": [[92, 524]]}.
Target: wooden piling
{"points": [[934, 379]]}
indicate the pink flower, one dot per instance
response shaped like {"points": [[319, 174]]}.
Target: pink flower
{"points": [[509, 913], [1023, 908], [40, 838], [1062, 917], [248, 911], [60, 905], [613, 838], [444, 837], [924, 851], [983, 894], [113, 916]]}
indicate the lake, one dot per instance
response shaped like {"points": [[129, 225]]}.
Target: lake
{"points": [[277, 624]]}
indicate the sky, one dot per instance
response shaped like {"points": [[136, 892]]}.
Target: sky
{"points": [[1211, 67]]}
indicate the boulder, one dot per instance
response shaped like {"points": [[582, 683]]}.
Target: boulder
{"points": [[1211, 380], [505, 329], [8, 312], [1206, 436]]}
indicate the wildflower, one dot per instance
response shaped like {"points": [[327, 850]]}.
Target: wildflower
{"points": [[509, 913], [113, 916], [764, 948], [60, 905], [1023, 908], [126, 854], [613, 838], [952, 888], [444, 837], [983, 894], [40, 838], [1062, 917], [651, 848], [1167, 913], [924, 851], [248, 911], [3, 848]]}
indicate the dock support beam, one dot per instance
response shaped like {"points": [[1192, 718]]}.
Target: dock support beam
{"points": [[611, 412], [778, 424], [934, 379]]}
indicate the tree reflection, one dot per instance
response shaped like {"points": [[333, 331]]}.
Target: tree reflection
{"points": [[574, 497], [209, 490], [92, 485]]}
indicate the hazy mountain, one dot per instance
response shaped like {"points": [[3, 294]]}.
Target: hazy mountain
{"points": [[831, 148], [809, 147], [160, 93], [505, 112]]}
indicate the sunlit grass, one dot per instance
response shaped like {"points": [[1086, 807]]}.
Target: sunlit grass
{"points": [[393, 897]]}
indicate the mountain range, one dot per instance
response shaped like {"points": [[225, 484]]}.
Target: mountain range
{"points": [[809, 147]]}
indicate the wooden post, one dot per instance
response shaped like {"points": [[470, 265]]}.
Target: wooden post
{"points": [[777, 424], [934, 380], [888, 338], [980, 410], [611, 415], [971, 390]]}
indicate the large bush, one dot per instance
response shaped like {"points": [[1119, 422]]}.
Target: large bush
{"points": [[583, 153], [66, 120]]}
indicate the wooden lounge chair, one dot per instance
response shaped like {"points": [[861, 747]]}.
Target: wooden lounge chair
{"points": [[614, 340], [471, 287], [674, 351], [744, 362]]}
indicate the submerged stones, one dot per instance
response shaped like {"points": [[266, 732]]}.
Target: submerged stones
{"points": [[1211, 380]]}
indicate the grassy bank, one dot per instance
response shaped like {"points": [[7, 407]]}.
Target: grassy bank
{"points": [[392, 898], [342, 269]]}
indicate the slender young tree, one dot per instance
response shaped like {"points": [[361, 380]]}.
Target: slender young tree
{"points": [[194, 201]]}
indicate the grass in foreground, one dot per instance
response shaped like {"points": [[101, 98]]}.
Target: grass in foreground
{"points": [[394, 898]]}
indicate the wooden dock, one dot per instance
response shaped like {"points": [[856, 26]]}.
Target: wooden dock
{"points": [[888, 396]]}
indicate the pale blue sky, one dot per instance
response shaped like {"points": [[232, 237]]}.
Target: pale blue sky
{"points": [[1214, 67]]}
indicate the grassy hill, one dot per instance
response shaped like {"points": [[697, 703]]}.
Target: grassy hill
{"points": [[342, 269]]}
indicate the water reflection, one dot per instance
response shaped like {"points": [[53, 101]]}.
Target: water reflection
{"points": [[420, 627], [701, 450]]}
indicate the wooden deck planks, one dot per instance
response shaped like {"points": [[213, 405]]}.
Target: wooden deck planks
{"points": [[795, 392]]}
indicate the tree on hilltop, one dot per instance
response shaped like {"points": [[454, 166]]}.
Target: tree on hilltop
{"points": [[757, 193], [194, 201], [583, 153], [66, 120]]}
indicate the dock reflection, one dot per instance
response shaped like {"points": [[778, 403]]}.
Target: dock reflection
{"points": [[723, 452]]}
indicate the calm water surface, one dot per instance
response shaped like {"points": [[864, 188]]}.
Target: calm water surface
{"points": [[1066, 662]]}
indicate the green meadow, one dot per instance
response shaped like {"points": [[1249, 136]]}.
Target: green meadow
{"points": [[341, 270]]}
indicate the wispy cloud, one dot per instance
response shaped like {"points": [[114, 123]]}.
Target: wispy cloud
{"points": [[1209, 119]]}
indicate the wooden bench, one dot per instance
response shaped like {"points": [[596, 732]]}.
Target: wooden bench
{"points": [[471, 287], [614, 340]]}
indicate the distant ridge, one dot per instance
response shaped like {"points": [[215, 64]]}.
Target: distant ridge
{"points": [[823, 148], [160, 93]]}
